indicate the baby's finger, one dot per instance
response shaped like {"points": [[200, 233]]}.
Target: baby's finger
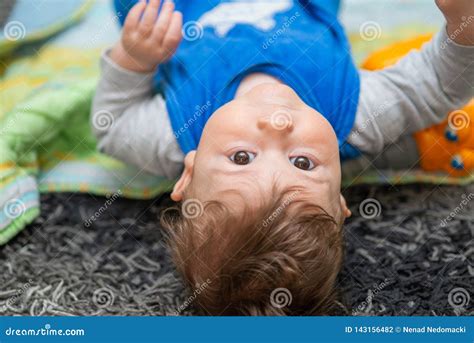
{"points": [[173, 35], [163, 22], [133, 17], [149, 17]]}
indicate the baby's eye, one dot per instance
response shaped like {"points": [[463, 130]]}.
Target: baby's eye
{"points": [[302, 162], [242, 157]]}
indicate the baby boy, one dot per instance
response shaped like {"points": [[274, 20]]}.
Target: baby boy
{"points": [[251, 106]]}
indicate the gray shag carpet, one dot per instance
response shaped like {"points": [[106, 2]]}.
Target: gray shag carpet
{"points": [[409, 251], [6, 7]]}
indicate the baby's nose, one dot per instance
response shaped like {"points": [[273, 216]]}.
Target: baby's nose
{"points": [[279, 121]]}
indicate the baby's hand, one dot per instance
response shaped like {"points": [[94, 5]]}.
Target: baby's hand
{"points": [[459, 16], [147, 41]]}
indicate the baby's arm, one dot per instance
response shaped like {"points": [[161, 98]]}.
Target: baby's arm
{"points": [[129, 122], [422, 88]]}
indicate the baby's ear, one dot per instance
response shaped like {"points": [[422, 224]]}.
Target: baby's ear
{"points": [[185, 178], [345, 210]]}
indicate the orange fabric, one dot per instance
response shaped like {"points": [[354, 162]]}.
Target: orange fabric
{"points": [[448, 146], [389, 55]]}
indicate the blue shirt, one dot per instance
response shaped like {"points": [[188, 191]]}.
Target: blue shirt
{"points": [[299, 42]]}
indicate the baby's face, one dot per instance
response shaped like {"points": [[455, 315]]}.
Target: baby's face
{"points": [[265, 137]]}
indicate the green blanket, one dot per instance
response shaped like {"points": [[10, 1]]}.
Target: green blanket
{"points": [[45, 140], [46, 143]]}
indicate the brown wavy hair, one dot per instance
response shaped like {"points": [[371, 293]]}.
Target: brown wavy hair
{"points": [[237, 263]]}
